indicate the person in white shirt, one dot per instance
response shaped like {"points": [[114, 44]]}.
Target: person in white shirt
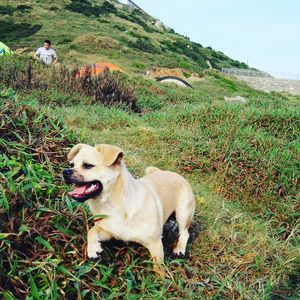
{"points": [[46, 54]]}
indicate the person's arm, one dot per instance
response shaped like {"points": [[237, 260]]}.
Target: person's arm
{"points": [[55, 58], [37, 54]]}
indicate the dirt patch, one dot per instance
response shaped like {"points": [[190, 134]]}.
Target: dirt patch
{"points": [[178, 72], [98, 68]]}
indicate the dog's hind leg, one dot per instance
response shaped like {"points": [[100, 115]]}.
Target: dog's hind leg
{"points": [[184, 216], [95, 236]]}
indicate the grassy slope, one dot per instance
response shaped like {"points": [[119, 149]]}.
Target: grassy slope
{"points": [[241, 161], [247, 246], [81, 38]]}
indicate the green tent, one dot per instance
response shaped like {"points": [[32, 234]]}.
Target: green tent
{"points": [[4, 50]]}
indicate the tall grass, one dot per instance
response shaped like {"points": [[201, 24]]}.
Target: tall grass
{"points": [[240, 159]]}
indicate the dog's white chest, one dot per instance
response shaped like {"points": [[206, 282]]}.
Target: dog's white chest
{"points": [[118, 223]]}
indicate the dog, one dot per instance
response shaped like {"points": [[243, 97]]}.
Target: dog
{"points": [[135, 209]]}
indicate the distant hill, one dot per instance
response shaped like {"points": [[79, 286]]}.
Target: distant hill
{"points": [[85, 31]]}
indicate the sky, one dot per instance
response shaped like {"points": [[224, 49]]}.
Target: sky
{"points": [[264, 33]]}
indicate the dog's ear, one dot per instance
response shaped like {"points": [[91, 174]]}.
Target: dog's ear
{"points": [[73, 152], [111, 155]]}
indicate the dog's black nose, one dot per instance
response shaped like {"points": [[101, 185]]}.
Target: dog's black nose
{"points": [[67, 173]]}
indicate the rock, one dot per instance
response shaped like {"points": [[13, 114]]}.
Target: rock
{"points": [[159, 24], [237, 99], [209, 65]]}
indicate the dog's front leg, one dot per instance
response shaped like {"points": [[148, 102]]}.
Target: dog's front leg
{"points": [[95, 236], [156, 251]]}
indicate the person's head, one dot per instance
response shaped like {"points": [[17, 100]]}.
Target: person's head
{"points": [[47, 44]]}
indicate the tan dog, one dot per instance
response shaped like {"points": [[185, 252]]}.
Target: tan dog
{"points": [[136, 208]]}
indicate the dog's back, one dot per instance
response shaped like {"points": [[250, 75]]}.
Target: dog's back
{"points": [[173, 190], [151, 169]]}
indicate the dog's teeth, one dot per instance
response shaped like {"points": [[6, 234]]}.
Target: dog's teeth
{"points": [[91, 187]]}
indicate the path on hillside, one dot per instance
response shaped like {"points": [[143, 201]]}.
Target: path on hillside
{"points": [[269, 84]]}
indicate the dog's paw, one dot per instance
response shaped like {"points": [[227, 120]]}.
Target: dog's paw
{"points": [[179, 253], [94, 251]]}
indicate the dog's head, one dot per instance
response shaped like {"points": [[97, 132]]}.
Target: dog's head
{"points": [[92, 170]]}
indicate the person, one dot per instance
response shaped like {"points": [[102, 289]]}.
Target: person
{"points": [[46, 54]]}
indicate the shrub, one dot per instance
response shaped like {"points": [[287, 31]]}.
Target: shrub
{"points": [[86, 8], [108, 8], [137, 35], [65, 41], [143, 45], [54, 8], [105, 89], [7, 10], [119, 27], [24, 8], [13, 32], [134, 18]]}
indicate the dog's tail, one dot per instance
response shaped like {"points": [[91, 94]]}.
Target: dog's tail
{"points": [[150, 170]]}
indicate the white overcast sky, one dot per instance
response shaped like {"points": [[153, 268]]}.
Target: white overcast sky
{"points": [[266, 33]]}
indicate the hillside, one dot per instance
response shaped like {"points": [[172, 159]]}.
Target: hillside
{"points": [[90, 31], [242, 160]]}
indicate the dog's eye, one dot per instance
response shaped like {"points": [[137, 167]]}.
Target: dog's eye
{"points": [[88, 166], [71, 165]]}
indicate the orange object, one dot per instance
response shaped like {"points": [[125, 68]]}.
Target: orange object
{"points": [[97, 69]]}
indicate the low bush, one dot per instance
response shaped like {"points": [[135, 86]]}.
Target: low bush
{"points": [[135, 18], [7, 9], [65, 41], [86, 8], [12, 32], [187, 48], [119, 27], [54, 8], [143, 44], [24, 8], [31, 75]]}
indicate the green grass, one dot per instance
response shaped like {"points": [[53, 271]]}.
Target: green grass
{"points": [[240, 159], [242, 162], [130, 33]]}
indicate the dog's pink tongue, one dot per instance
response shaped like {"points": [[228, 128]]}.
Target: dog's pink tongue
{"points": [[78, 190]]}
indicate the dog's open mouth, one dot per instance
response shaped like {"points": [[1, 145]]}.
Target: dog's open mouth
{"points": [[86, 190]]}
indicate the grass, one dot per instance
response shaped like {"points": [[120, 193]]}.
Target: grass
{"points": [[240, 159], [129, 32]]}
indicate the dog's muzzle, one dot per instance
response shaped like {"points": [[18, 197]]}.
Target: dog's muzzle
{"points": [[67, 176], [82, 190]]}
